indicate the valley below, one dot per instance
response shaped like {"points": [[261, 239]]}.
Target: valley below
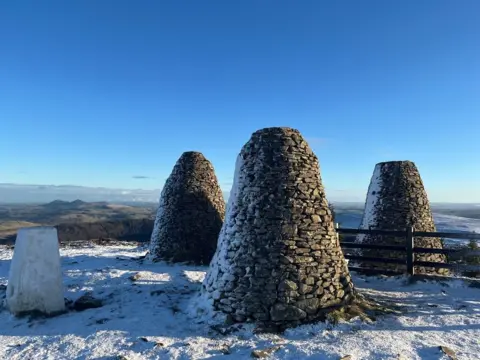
{"points": [[79, 220]]}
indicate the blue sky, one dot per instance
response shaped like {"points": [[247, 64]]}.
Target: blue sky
{"points": [[97, 93]]}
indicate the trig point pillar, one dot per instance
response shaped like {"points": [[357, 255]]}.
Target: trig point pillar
{"points": [[35, 279]]}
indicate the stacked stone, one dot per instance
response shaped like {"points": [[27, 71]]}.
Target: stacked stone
{"points": [[190, 213], [396, 200], [278, 258]]}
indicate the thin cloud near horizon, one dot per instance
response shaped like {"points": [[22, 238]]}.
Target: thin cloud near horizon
{"points": [[142, 177]]}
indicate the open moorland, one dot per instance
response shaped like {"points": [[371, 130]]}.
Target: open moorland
{"points": [[79, 220]]}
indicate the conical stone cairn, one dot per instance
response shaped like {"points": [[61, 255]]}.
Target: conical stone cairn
{"points": [[190, 213], [278, 258], [397, 199]]}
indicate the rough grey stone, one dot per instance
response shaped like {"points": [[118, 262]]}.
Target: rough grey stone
{"points": [[283, 312], [396, 200], [87, 301], [449, 352], [264, 353], [278, 238], [310, 306], [190, 213]]}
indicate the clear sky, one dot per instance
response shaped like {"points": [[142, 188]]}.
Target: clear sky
{"points": [[111, 92]]}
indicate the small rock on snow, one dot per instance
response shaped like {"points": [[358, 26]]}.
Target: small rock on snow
{"points": [[87, 301], [259, 354], [449, 352]]}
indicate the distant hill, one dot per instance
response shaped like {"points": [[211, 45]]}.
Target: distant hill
{"points": [[127, 230], [74, 205], [22, 194], [78, 218], [81, 220]]}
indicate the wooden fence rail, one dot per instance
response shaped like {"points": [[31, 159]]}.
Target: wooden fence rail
{"points": [[409, 234]]}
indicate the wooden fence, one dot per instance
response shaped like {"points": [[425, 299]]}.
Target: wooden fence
{"points": [[410, 249]]}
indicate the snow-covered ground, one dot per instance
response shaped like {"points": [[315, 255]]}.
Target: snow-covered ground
{"points": [[456, 223], [147, 318]]}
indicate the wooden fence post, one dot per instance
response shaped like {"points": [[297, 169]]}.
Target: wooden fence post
{"points": [[409, 246]]}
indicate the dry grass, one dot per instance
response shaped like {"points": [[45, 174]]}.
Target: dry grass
{"points": [[9, 228], [365, 308]]}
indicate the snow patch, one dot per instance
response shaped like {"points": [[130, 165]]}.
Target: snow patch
{"points": [[373, 198], [150, 318], [156, 226], [220, 264]]}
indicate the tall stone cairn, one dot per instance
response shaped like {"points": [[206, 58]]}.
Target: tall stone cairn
{"points": [[396, 200], [190, 213], [278, 258]]}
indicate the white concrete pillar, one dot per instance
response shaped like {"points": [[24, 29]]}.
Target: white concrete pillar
{"points": [[35, 279]]}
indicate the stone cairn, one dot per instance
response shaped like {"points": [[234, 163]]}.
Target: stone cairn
{"points": [[190, 213], [396, 200], [278, 258]]}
